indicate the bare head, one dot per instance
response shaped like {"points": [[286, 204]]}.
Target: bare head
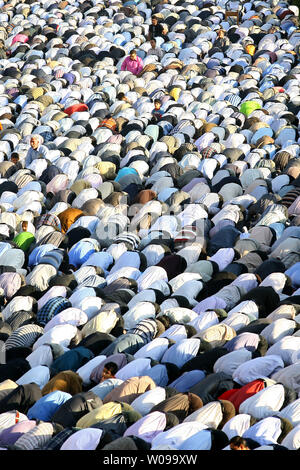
{"points": [[238, 443], [109, 371], [132, 54]]}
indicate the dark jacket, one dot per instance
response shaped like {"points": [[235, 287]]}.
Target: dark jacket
{"points": [[72, 410]]}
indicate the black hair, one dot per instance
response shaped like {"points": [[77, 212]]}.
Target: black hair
{"points": [[112, 367], [238, 441], [120, 95]]}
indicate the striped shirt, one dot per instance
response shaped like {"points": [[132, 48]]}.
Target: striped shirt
{"points": [[53, 257], [129, 239], [233, 99], [25, 336], [10, 418], [37, 438], [48, 219], [18, 319], [52, 308], [146, 329], [57, 441]]}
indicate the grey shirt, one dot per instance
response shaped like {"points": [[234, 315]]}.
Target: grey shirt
{"points": [[157, 51], [40, 152]]}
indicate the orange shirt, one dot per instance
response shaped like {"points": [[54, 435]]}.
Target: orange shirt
{"points": [[110, 123]]}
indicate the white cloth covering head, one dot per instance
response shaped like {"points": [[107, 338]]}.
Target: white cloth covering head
{"points": [[71, 316], [181, 352], [289, 376], [204, 320], [84, 439], [136, 314], [177, 435], [291, 412], [231, 361], [257, 368], [175, 333], [237, 425], [292, 440], [153, 350], [148, 426], [145, 402], [278, 329], [38, 374], [42, 356], [210, 414], [285, 348], [60, 334], [265, 402], [103, 388], [266, 431], [135, 368]]}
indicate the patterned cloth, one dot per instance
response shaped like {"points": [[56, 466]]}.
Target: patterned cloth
{"points": [[18, 319], [146, 329], [53, 257], [37, 438], [208, 152], [25, 336], [59, 73], [233, 99], [10, 418], [52, 308], [57, 441], [49, 219]]}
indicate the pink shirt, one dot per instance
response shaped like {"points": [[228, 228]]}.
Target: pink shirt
{"points": [[133, 66]]}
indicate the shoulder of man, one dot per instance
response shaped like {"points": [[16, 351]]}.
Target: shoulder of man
{"points": [[43, 149]]}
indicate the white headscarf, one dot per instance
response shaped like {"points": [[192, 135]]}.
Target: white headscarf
{"points": [[292, 440], [257, 368], [265, 431], [265, 402], [182, 351], [145, 402], [39, 375], [154, 350], [135, 368], [177, 435], [210, 414], [85, 439], [237, 425], [292, 412]]}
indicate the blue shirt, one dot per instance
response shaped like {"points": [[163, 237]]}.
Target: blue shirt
{"points": [[40, 152], [38, 252], [80, 252], [46, 406], [294, 273]]}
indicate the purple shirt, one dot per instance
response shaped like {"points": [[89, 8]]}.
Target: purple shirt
{"points": [[133, 66], [10, 435]]}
